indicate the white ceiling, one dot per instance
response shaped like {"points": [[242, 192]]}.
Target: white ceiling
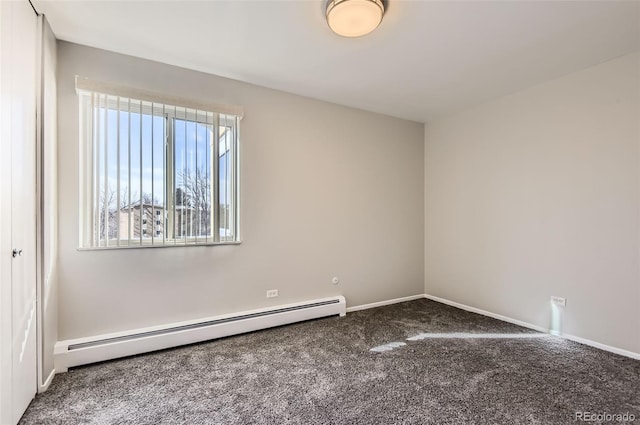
{"points": [[425, 60]]}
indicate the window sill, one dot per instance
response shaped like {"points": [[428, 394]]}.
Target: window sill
{"points": [[144, 246]]}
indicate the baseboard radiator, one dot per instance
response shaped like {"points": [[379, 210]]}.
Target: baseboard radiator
{"points": [[76, 352]]}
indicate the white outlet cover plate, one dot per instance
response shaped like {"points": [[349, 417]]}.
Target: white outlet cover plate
{"points": [[558, 301]]}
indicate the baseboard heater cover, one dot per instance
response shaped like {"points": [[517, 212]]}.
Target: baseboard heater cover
{"points": [[76, 352]]}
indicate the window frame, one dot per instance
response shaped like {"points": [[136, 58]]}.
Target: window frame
{"points": [[87, 172]]}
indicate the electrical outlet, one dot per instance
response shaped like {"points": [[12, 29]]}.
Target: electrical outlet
{"points": [[562, 302], [272, 293]]}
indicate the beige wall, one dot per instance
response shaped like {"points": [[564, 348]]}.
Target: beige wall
{"points": [[537, 194], [326, 190]]}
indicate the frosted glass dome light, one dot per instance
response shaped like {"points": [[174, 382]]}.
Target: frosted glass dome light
{"points": [[354, 18]]}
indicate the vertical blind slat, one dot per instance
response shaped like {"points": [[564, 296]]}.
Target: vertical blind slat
{"points": [[129, 210], [153, 199], [118, 206], [174, 177], [105, 212], [164, 167], [236, 181], [96, 209], [174, 195], [185, 211], [231, 177], [208, 168], [98, 166], [194, 182], [216, 181], [143, 213], [226, 180]]}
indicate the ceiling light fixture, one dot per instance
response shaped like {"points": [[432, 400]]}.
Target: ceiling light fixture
{"points": [[353, 18]]}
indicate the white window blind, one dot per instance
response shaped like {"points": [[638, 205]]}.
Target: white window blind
{"points": [[155, 173]]}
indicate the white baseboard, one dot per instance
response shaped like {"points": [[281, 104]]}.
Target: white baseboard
{"points": [[487, 313], [383, 303], [45, 385], [570, 337], [598, 345]]}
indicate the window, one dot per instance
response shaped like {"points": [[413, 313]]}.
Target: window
{"points": [[143, 159]]}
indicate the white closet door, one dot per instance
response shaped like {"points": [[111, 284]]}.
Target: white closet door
{"points": [[18, 62]]}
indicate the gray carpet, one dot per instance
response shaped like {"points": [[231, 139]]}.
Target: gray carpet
{"points": [[324, 372]]}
